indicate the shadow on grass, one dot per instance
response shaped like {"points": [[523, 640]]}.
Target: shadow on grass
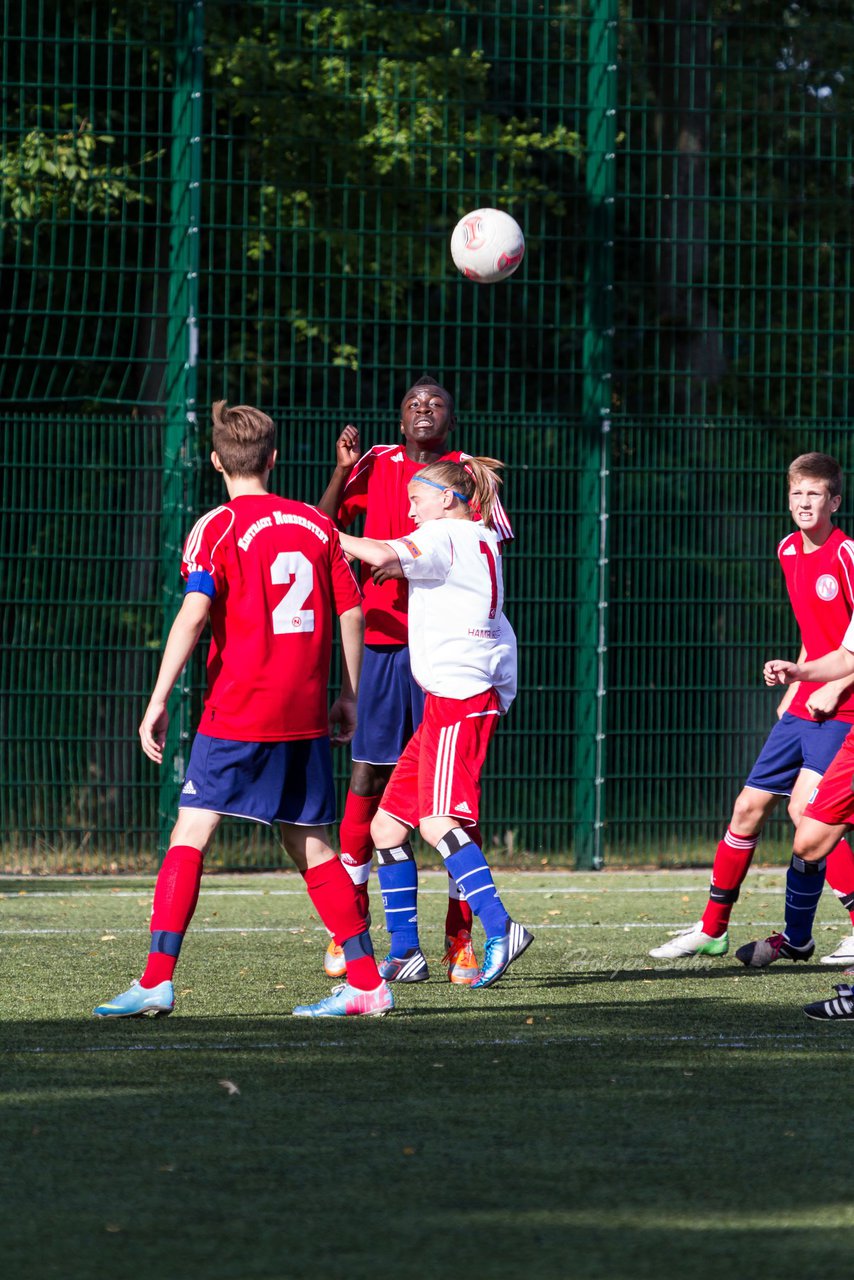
{"points": [[595, 1138]]}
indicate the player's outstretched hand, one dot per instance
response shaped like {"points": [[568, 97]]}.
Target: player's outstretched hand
{"points": [[152, 731], [348, 448], [342, 721], [778, 671]]}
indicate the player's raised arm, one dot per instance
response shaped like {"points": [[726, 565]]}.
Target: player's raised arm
{"points": [[347, 453]]}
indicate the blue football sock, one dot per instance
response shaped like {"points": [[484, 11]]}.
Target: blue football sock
{"points": [[804, 883], [398, 877], [464, 860]]}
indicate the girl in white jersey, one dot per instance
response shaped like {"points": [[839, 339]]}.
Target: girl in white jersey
{"points": [[463, 654]]}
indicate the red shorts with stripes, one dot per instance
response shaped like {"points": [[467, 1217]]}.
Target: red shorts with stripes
{"points": [[832, 802], [438, 773]]}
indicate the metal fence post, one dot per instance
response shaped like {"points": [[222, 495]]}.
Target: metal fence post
{"points": [[179, 436], [592, 518]]}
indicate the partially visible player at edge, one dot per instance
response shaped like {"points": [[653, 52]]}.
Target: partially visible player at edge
{"points": [[391, 704], [830, 812], [269, 574], [463, 655], [813, 720]]}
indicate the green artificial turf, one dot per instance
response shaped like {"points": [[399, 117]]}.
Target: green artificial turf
{"points": [[595, 1114]]}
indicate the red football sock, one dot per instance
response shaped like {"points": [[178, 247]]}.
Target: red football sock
{"points": [[175, 896], [333, 897], [733, 857], [840, 874], [357, 847], [459, 915]]}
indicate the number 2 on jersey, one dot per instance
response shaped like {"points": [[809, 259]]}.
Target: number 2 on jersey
{"points": [[289, 617], [493, 576]]}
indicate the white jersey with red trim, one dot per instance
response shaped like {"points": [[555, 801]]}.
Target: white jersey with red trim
{"points": [[460, 642], [821, 590]]}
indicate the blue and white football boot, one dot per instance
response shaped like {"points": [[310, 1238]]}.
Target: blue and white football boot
{"points": [[500, 951], [409, 968], [137, 1002]]}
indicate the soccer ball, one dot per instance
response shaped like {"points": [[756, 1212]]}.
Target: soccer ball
{"points": [[487, 245]]}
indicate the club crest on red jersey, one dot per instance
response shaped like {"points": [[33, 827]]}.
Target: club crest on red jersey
{"points": [[827, 588]]}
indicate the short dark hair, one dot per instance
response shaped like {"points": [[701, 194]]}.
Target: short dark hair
{"points": [[818, 466], [244, 438]]}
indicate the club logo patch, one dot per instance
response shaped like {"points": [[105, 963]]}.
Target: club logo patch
{"points": [[827, 588], [411, 548]]}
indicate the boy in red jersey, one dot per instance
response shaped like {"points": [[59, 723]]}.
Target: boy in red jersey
{"points": [[269, 575], [391, 704], [813, 720]]}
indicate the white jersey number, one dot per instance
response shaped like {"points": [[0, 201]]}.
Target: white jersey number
{"points": [[289, 616]]}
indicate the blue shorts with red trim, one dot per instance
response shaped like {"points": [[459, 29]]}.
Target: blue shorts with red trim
{"points": [[263, 781], [792, 745], [390, 705]]}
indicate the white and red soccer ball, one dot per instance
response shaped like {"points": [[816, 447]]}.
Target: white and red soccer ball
{"points": [[487, 245]]}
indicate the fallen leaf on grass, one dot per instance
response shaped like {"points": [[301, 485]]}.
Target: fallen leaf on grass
{"points": [[409, 1151], [108, 937], [554, 912], [188, 991], [230, 1087], [529, 1022], [280, 986]]}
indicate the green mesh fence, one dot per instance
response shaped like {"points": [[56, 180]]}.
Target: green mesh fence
{"points": [[254, 201]]}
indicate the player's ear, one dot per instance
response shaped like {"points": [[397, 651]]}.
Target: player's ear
{"points": [[271, 461], [835, 502], [215, 462]]}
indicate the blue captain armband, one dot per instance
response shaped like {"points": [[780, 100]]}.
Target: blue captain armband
{"points": [[200, 580]]}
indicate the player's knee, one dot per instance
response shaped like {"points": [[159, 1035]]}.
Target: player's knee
{"points": [[385, 831], [808, 846], [795, 810], [747, 816]]}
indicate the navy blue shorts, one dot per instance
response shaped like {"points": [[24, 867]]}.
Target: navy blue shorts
{"points": [[263, 781], [390, 705], [794, 744]]}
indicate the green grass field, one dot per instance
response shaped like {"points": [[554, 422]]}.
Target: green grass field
{"points": [[595, 1114]]}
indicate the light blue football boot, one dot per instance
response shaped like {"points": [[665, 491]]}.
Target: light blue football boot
{"points": [[348, 1002], [138, 1001], [500, 951]]}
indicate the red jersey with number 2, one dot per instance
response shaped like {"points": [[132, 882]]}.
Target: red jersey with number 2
{"points": [[821, 589], [276, 575], [377, 488]]}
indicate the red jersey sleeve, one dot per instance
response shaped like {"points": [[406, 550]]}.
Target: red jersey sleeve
{"points": [[345, 589], [201, 568]]}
